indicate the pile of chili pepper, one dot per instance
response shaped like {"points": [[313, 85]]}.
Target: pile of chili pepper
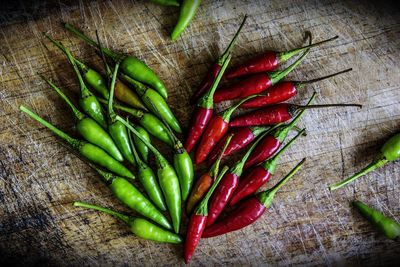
{"points": [[117, 139]]}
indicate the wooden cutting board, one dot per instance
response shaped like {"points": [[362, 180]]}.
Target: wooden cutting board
{"points": [[307, 224]]}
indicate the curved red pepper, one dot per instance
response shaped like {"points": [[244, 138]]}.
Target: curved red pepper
{"points": [[266, 148], [204, 111], [212, 73], [268, 61], [259, 175], [248, 211], [197, 222], [283, 91]]}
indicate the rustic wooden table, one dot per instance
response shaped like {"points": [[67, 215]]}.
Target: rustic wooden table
{"points": [[307, 225]]}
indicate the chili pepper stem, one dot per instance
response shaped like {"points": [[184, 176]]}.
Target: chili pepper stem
{"points": [[137, 114], [122, 217], [325, 106], [215, 167], [111, 112], [73, 142], [115, 56], [226, 115], [377, 163], [267, 196], [228, 50], [276, 76], [284, 56], [300, 84], [207, 100]]}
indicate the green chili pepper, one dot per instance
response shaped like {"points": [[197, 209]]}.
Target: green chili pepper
{"points": [[148, 121], [91, 152], [87, 101], [187, 13], [390, 151], [148, 179], [89, 128], [151, 98], [166, 2], [167, 178], [131, 66], [183, 164], [116, 129], [389, 227], [138, 226], [141, 147]]}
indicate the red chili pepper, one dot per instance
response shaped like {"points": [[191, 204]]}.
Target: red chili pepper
{"points": [[258, 176], [255, 83], [273, 141], [204, 111], [197, 222], [242, 136], [268, 61], [228, 185], [283, 91], [282, 112], [206, 83], [249, 210], [205, 181], [216, 129]]}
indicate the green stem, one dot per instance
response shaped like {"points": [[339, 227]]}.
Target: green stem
{"points": [[135, 154], [75, 143], [138, 114], [267, 196], [103, 58], [226, 114], [207, 100], [115, 56], [215, 167], [228, 50], [298, 107], [202, 208], [139, 87], [300, 84], [276, 76], [377, 163], [284, 56], [111, 112], [120, 216], [79, 115]]}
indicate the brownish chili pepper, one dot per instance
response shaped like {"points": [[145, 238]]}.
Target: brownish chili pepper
{"points": [[249, 210], [205, 181], [268, 61], [212, 73], [283, 91]]}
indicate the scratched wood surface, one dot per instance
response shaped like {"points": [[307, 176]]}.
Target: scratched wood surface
{"points": [[307, 225]]}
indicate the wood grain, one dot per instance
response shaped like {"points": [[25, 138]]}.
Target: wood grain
{"points": [[307, 225]]}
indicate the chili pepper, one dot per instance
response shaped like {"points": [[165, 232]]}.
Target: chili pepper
{"points": [[167, 179], [242, 136], [278, 113], [249, 210], [89, 128], [208, 80], [197, 221], [390, 151], [215, 130], [187, 12], [205, 181], [141, 147], [388, 226], [87, 101], [117, 130], [89, 151], [204, 111], [166, 2], [273, 141], [147, 120], [283, 91], [138, 226], [152, 98], [258, 176], [148, 179], [228, 185], [269, 61], [255, 83], [182, 163], [130, 65]]}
